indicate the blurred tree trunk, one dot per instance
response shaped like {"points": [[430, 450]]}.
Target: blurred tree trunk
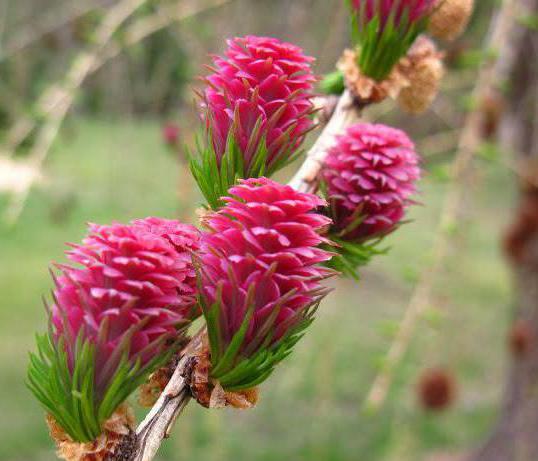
{"points": [[516, 435]]}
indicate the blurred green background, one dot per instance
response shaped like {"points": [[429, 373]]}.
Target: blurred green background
{"points": [[109, 162]]}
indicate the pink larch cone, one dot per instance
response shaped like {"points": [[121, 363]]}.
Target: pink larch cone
{"points": [[130, 278], [260, 90], [370, 175], [261, 258]]}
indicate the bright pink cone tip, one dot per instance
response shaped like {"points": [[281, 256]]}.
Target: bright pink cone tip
{"points": [[259, 80]]}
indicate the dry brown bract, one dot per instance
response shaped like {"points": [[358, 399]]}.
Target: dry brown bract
{"points": [[423, 68], [151, 391], [118, 426], [365, 89], [450, 19], [414, 81], [210, 394]]}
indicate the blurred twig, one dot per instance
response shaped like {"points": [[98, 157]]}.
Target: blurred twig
{"points": [[469, 142], [62, 95], [56, 101], [164, 17], [48, 23], [15, 175], [133, 34]]}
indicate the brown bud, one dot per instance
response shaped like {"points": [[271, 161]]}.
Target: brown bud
{"points": [[491, 108], [200, 381], [424, 86], [520, 338], [450, 18], [151, 390], [115, 430], [523, 231], [436, 389]]}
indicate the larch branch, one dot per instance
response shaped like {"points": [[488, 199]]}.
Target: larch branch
{"points": [[175, 397]]}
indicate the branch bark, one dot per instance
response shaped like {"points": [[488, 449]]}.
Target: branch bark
{"points": [[345, 114], [176, 395], [160, 419]]}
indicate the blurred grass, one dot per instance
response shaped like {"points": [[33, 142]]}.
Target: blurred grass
{"points": [[311, 407]]}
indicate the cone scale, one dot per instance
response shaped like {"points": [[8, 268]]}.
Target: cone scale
{"points": [[369, 177]]}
